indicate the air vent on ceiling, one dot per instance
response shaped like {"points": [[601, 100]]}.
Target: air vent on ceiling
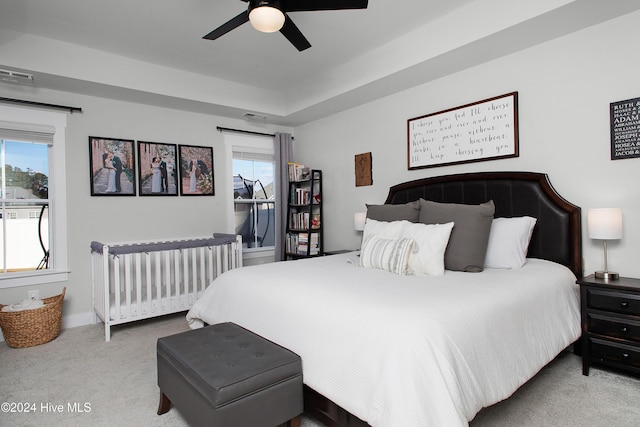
{"points": [[254, 117], [16, 77]]}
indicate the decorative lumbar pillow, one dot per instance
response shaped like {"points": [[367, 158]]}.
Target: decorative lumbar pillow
{"points": [[407, 211], [391, 255], [508, 242], [468, 242], [430, 242]]}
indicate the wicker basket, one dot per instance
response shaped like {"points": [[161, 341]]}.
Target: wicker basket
{"points": [[27, 328]]}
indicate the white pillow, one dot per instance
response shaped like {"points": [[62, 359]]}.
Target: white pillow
{"points": [[508, 242], [391, 255], [383, 229], [427, 256], [430, 242]]}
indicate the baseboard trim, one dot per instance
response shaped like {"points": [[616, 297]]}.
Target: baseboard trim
{"points": [[73, 321], [81, 319]]}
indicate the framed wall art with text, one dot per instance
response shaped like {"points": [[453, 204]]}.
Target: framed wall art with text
{"points": [[625, 129], [483, 130]]}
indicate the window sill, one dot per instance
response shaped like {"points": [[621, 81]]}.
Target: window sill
{"points": [[256, 256], [258, 252], [15, 280]]}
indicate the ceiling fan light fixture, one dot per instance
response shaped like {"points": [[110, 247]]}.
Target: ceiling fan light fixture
{"points": [[266, 16]]}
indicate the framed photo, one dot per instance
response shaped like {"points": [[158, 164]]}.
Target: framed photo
{"points": [[157, 169], [483, 130], [196, 171], [112, 166]]}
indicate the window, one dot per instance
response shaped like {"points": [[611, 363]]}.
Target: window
{"points": [[24, 183], [253, 190], [32, 244]]}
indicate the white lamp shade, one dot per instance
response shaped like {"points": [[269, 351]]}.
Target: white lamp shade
{"points": [[359, 218], [266, 19], [605, 223]]}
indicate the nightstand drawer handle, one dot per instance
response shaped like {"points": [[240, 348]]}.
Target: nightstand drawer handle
{"points": [[624, 330], [625, 355], [624, 304]]}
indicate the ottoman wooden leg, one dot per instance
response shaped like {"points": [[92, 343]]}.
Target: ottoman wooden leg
{"points": [[165, 404]]}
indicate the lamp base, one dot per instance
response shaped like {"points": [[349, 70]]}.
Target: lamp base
{"points": [[607, 275]]}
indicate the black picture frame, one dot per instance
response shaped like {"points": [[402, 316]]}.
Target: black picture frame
{"points": [[196, 181], [625, 123], [112, 166], [157, 169]]}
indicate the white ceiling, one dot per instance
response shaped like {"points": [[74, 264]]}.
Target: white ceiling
{"points": [[152, 51]]}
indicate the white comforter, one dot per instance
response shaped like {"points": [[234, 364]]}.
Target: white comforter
{"points": [[403, 350]]}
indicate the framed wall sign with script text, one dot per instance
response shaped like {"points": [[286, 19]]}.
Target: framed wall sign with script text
{"points": [[483, 130]]}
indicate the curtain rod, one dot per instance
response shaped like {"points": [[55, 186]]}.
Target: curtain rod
{"points": [[41, 104], [221, 129]]}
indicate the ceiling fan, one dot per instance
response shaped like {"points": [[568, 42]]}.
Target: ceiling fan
{"points": [[270, 16]]}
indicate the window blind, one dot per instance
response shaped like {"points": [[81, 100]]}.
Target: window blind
{"points": [[27, 132], [245, 155]]}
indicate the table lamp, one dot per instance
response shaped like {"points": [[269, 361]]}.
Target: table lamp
{"points": [[359, 218], [605, 224]]}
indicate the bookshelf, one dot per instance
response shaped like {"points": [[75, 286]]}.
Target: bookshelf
{"points": [[304, 213]]}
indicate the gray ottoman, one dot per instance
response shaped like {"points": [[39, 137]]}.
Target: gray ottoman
{"points": [[226, 376]]}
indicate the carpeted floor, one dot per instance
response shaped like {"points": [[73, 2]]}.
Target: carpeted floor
{"points": [[559, 395], [78, 379]]}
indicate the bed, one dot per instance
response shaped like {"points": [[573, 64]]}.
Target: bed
{"points": [[388, 349]]}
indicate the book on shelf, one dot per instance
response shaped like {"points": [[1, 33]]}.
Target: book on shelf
{"points": [[314, 244], [302, 243], [299, 221], [300, 196], [304, 220], [298, 172]]}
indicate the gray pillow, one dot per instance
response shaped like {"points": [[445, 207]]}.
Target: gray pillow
{"points": [[470, 235], [407, 211]]}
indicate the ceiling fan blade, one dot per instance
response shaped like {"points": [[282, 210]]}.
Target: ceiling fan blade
{"points": [[228, 26], [294, 35], [309, 5]]}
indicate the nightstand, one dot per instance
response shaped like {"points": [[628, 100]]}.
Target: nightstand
{"points": [[610, 311]]}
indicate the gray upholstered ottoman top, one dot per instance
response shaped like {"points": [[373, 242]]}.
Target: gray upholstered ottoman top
{"points": [[225, 362]]}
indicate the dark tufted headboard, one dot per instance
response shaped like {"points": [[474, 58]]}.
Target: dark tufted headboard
{"points": [[557, 235]]}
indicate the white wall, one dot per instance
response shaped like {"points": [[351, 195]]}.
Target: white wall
{"points": [[565, 87], [116, 219]]}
